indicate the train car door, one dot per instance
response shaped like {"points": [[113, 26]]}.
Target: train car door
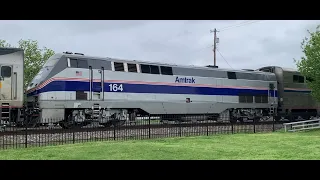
{"points": [[5, 82], [97, 85]]}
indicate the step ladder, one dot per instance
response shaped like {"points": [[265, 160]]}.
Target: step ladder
{"points": [[271, 98], [5, 115], [96, 110], [5, 112]]}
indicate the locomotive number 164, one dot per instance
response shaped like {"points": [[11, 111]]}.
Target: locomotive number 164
{"points": [[115, 87]]}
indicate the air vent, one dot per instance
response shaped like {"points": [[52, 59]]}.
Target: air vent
{"points": [[67, 52], [212, 66], [79, 54]]}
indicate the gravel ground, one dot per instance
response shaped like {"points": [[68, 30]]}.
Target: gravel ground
{"points": [[15, 141]]}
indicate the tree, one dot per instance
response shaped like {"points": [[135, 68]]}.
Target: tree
{"points": [[309, 64], [34, 57]]}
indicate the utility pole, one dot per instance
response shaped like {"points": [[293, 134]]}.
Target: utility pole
{"points": [[214, 46]]}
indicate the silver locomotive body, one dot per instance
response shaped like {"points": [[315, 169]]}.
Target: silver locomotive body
{"points": [[11, 84], [75, 88]]}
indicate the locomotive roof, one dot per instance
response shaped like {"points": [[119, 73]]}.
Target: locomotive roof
{"points": [[283, 68], [9, 50], [158, 63]]}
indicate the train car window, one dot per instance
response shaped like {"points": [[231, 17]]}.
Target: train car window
{"points": [[295, 78], [82, 63], [257, 99], [309, 79], [261, 99], [166, 70], [80, 95], [154, 69], [298, 79], [264, 99], [242, 99], [132, 68], [245, 99], [73, 63], [301, 79], [145, 68], [5, 71], [249, 99], [232, 75], [118, 66]]}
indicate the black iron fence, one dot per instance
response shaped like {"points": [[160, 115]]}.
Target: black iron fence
{"points": [[51, 133]]}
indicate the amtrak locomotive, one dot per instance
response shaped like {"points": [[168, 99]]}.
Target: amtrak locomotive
{"points": [[74, 89]]}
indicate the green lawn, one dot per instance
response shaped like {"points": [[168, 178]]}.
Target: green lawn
{"points": [[279, 145]]}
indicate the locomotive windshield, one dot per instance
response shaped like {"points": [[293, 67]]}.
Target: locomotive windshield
{"points": [[52, 60]]}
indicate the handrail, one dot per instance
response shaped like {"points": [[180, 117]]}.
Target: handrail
{"points": [[303, 125]]}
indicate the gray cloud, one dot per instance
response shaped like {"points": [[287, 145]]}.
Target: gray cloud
{"points": [[179, 42]]}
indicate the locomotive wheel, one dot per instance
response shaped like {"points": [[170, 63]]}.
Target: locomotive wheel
{"points": [[256, 119], [69, 123], [233, 119], [117, 123], [107, 124], [277, 118]]}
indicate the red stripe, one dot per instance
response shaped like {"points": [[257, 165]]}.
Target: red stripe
{"points": [[11, 106], [140, 82]]}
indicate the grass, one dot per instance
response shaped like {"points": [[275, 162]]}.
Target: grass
{"points": [[278, 145]]}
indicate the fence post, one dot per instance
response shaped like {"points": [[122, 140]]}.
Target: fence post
{"points": [[114, 132], [26, 127], [207, 122], [232, 130], [149, 125], [254, 125], [179, 119], [73, 135], [273, 121]]}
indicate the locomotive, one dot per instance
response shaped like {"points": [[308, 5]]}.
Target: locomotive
{"points": [[76, 89]]}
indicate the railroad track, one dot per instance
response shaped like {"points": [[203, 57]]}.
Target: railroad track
{"points": [[55, 130]]}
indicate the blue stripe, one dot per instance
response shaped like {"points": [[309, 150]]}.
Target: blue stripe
{"points": [[298, 91], [148, 88]]}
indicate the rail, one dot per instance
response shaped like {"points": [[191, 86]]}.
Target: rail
{"points": [[302, 125]]}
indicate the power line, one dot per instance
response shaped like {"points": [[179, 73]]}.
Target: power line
{"points": [[244, 22], [215, 39], [239, 25], [224, 58]]}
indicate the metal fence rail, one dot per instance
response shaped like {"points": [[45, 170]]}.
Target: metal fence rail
{"points": [[141, 128], [302, 125]]}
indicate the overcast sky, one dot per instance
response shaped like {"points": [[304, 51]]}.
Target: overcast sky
{"points": [[243, 44]]}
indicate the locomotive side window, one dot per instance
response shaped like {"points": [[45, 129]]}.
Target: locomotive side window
{"points": [[78, 63], [5, 71], [166, 70], [145, 68], [232, 75], [118, 66], [154, 69], [82, 63], [132, 68], [150, 69], [73, 63]]}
